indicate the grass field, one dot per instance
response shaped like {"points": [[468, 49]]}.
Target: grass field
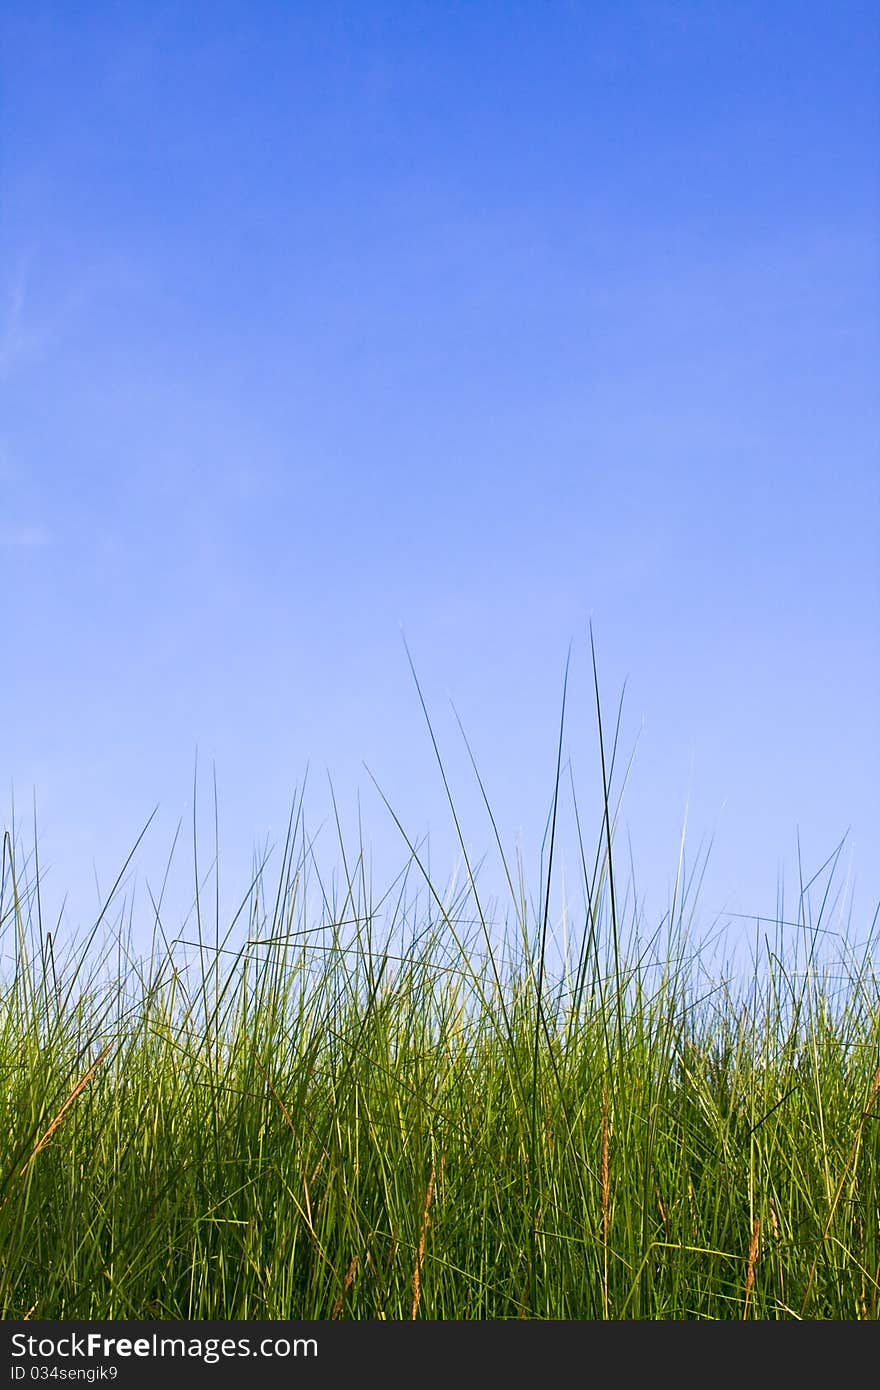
{"points": [[404, 1110]]}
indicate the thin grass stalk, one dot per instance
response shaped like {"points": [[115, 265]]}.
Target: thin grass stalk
{"points": [[754, 1244], [420, 1252], [606, 1205], [59, 1117]]}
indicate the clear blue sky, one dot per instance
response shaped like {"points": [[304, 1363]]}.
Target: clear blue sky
{"points": [[319, 318]]}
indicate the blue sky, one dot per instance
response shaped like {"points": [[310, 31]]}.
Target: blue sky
{"points": [[487, 319]]}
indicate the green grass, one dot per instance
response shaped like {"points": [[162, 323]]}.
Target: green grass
{"points": [[398, 1109]]}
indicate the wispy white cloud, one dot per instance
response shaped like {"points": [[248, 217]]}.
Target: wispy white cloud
{"points": [[7, 468], [14, 344], [24, 536], [33, 326]]}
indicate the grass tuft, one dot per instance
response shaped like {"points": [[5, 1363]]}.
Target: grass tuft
{"points": [[344, 1107]]}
